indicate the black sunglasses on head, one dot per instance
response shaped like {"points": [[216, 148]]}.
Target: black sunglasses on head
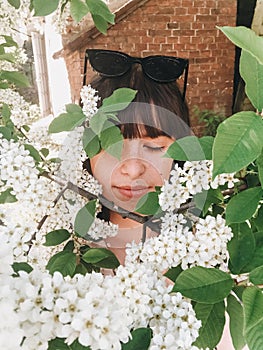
{"points": [[162, 69]]}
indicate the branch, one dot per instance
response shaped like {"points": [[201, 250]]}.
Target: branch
{"points": [[153, 222], [104, 201]]}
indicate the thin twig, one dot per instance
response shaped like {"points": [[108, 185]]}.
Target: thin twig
{"points": [[104, 201]]}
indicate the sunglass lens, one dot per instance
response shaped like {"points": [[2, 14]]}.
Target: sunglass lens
{"points": [[108, 63], [164, 69]]}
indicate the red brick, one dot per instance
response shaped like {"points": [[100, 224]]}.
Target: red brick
{"points": [[204, 18], [160, 40], [181, 11], [199, 3], [203, 11], [166, 10], [173, 25], [166, 47]]}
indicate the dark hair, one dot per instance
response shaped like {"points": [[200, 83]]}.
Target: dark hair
{"points": [[158, 108]]}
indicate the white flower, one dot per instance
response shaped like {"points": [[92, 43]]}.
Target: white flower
{"points": [[89, 100], [101, 229]]}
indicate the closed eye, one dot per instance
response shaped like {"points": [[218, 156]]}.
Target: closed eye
{"points": [[154, 148]]}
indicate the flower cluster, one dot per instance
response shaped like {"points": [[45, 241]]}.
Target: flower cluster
{"points": [[20, 58], [101, 229], [185, 182], [89, 99], [100, 311], [82, 307], [150, 302], [204, 245], [11, 18], [89, 183], [22, 112], [72, 156]]}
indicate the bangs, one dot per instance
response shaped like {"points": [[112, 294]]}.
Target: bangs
{"points": [[133, 130], [148, 120]]}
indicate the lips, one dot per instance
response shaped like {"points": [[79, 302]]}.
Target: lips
{"points": [[132, 192]]}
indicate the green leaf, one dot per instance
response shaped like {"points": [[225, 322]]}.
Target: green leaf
{"points": [[238, 290], [256, 275], [191, 148], [9, 57], [213, 320], [81, 269], [14, 3], [6, 132], [252, 73], [204, 199], [141, 339], [69, 246], [238, 142], [7, 197], [56, 237], [260, 168], [57, 344], [65, 262], [6, 113], [204, 285], [44, 8], [17, 78], [258, 219], [77, 346], [173, 273], [9, 41], [73, 108], [78, 9], [256, 260], [111, 140], [241, 247], [85, 218], [243, 206], [66, 122], [91, 143], [4, 85], [236, 320], [100, 23], [101, 257], [98, 7], [119, 100], [33, 152], [97, 121], [253, 311], [148, 204], [246, 39], [55, 160], [22, 266], [44, 152]]}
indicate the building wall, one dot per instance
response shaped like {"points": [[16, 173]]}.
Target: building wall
{"points": [[184, 28]]}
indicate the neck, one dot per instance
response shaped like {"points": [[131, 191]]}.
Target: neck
{"points": [[117, 219]]}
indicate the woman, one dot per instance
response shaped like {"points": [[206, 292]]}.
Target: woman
{"points": [[152, 122]]}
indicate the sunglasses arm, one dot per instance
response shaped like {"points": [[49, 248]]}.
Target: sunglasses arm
{"points": [[85, 70], [185, 80]]}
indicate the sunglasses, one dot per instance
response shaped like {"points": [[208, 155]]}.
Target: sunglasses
{"points": [[162, 69]]}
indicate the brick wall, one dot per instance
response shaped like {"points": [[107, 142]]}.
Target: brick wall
{"points": [[184, 28]]}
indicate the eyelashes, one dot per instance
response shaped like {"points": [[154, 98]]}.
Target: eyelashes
{"points": [[154, 148]]}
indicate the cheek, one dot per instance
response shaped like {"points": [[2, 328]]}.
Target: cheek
{"points": [[159, 171], [165, 167], [102, 166]]}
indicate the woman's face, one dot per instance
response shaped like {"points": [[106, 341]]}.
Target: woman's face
{"points": [[141, 168]]}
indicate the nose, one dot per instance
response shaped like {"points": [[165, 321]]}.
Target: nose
{"points": [[133, 167]]}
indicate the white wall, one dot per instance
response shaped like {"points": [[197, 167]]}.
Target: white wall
{"points": [[59, 88]]}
